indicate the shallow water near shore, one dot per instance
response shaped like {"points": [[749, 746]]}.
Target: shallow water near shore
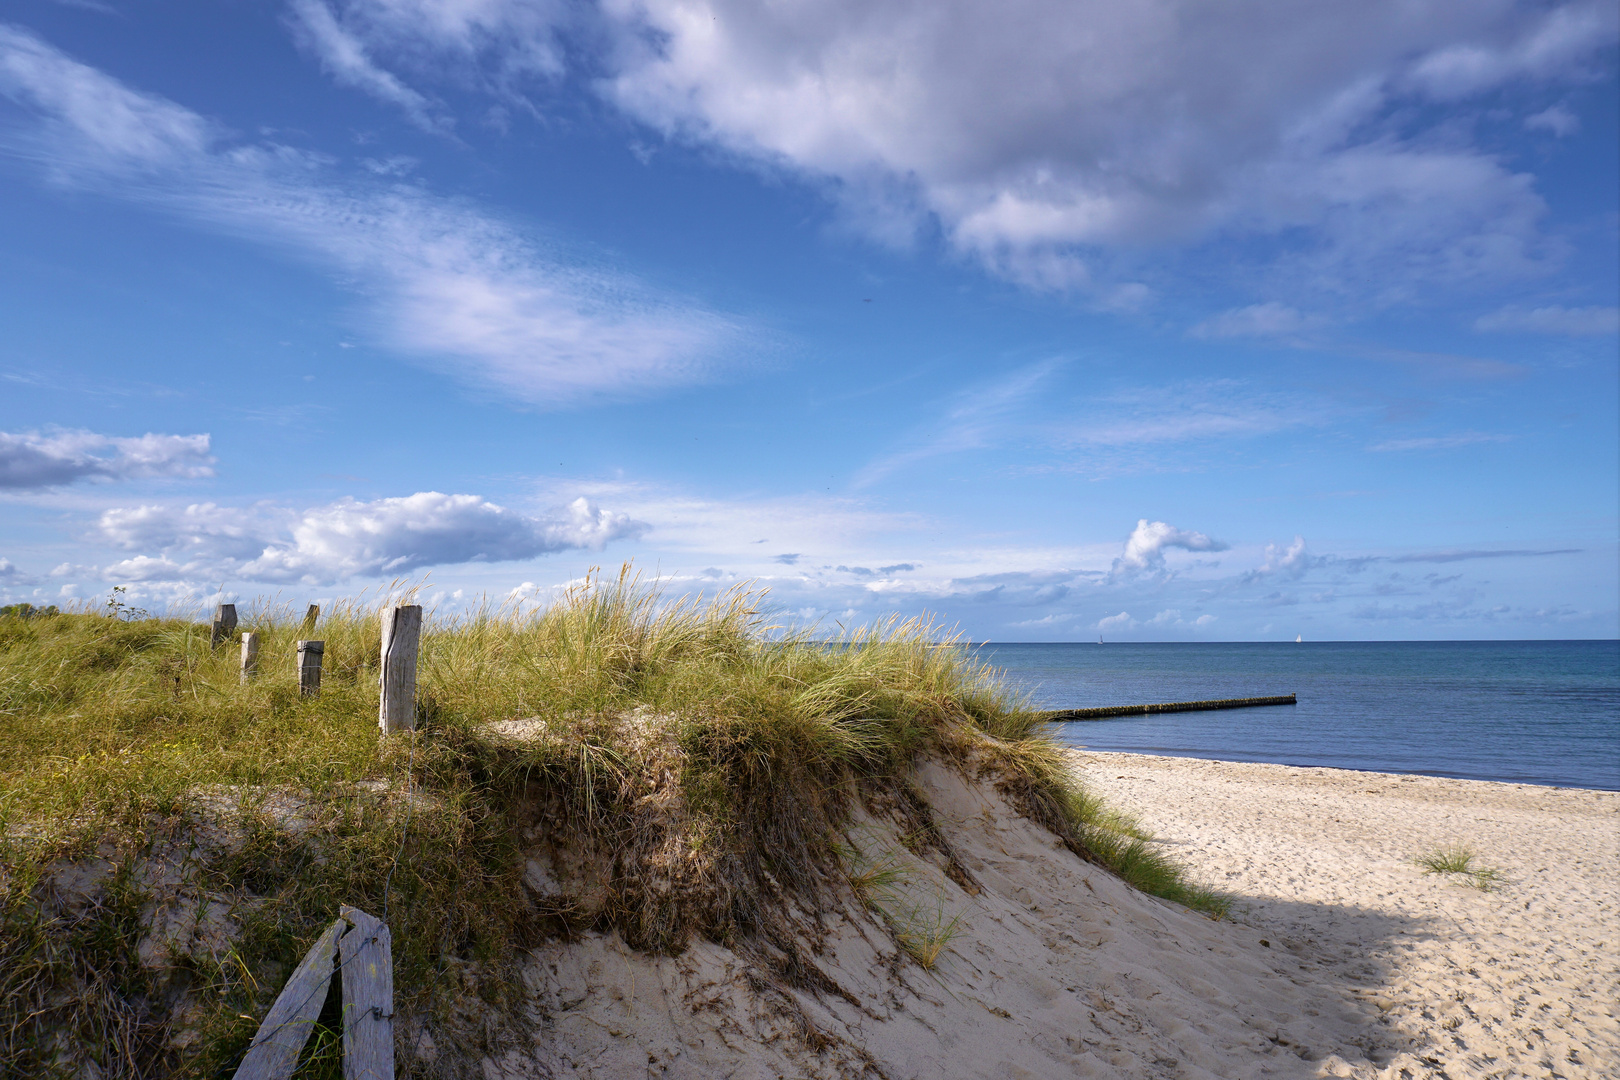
{"points": [[1533, 712]]}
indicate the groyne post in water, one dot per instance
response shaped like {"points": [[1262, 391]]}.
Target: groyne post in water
{"points": [[1061, 715]]}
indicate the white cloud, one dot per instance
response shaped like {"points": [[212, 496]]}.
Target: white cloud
{"points": [[345, 539], [1039, 135], [491, 44], [1145, 548], [1556, 119], [1036, 132], [441, 280], [31, 460], [1122, 621], [9, 572], [978, 418], [1269, 319], [1201, 410], [1575, 322], [1557, 45], [1289, 562], [344, 57]]}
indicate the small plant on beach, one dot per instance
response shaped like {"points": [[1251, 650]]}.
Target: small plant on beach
{"points": [[900, 894], [1458, 859]]}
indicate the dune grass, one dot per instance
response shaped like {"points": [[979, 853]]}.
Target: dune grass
{"points": [[1459, 860], [126, 739]]}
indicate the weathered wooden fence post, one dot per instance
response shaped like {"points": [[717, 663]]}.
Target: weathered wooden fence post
{"points": [[366, 967], [224, 624], [358, 950], [401, 640], [309, 667], [310, 616], [273, 1054], [250, 656]]}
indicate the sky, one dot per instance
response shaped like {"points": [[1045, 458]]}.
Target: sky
{"points": [[1051, 319]]}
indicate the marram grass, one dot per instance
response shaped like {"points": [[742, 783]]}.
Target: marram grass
{"points": [[690, 734]]}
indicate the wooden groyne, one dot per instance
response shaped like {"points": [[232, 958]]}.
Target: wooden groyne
{"points": [[1170, 706]]}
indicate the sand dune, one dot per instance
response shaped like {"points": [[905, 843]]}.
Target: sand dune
{"points": [[1343, 958]]}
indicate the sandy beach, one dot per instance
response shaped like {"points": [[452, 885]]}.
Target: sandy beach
{"points": [[1520, 981], [1341, 957]]}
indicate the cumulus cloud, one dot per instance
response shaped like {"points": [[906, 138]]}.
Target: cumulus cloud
{"points": [[1553, 319], [1144, 550], [347, 538], [32, 460], [1122, 621], [1037, 135], [440, 280], [1288, 562], [1149, 125], [8, 572]]}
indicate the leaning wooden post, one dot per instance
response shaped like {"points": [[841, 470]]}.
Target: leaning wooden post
{"points": [[250, 656], [401, 639], [224, 624], [310, 616], [309, 667], [367, 974]]}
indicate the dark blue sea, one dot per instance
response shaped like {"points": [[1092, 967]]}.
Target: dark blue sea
{"points": [[1532, 712]]}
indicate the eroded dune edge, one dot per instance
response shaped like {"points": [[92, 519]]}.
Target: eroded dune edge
{"points": [[1341, 958], [970, 941]]}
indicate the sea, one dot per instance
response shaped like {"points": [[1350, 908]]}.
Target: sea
{"points": [[1528, 712]]}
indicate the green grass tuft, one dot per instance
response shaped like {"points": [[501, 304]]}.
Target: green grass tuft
{"points": [[1458, 859]]}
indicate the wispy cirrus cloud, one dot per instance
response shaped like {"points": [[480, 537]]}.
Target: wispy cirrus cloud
{"points": [[1594, 321], [1268, 319], [35, 461], [978, 417], [1222, 408], [1463, 556], [439, 280], [1439, 442], [344, 56]]}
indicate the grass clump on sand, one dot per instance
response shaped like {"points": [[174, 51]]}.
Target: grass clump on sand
{"points": [[172, 839], [1458, 859]]}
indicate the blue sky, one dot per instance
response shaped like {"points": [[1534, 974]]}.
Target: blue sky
{"points": [[1054, 319]]}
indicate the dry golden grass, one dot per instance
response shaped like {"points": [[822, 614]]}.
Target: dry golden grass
{"points": [[687, 726]]}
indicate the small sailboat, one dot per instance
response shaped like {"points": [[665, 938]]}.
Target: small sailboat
{"points": [[1299, 639]]}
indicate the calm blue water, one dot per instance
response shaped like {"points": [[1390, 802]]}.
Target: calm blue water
{"points": [[1536, 712]]}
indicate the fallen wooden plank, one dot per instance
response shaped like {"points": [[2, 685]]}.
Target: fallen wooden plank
{"points": [[273, 1054], [367, 965], [1062, 715]]}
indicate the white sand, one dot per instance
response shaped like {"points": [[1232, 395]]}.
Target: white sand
{"points": [[1518, 982], [1373, 969]]}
